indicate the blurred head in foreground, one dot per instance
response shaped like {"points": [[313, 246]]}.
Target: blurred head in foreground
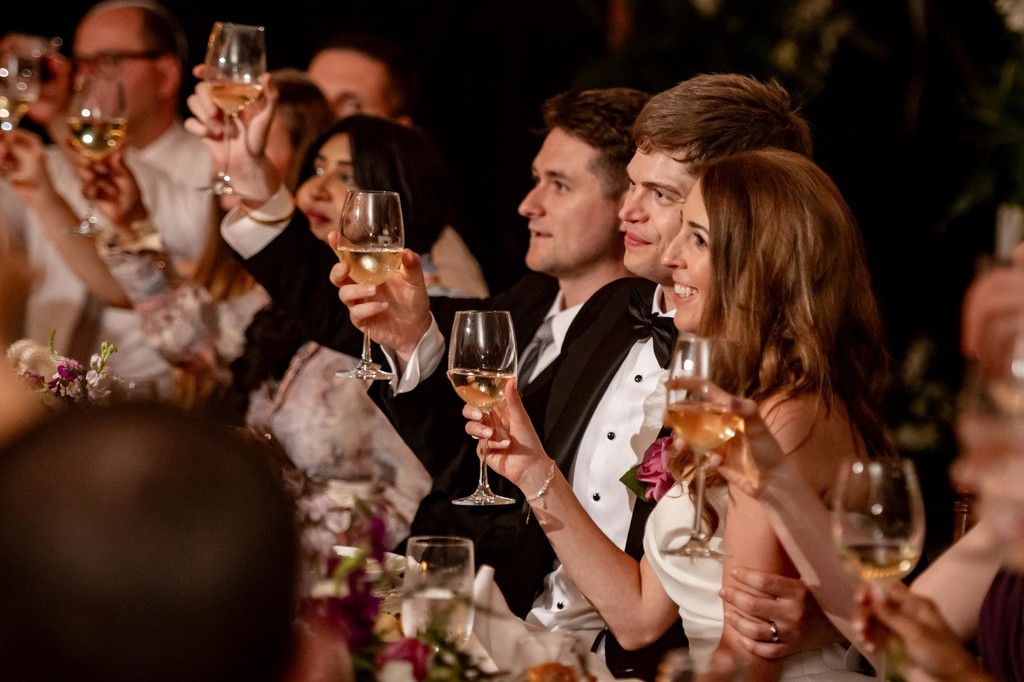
{"points": [[138, 543]]}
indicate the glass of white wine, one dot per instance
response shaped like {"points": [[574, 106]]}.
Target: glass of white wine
{"points": [[20, 81], [481, 360], [437, 600], [370, 240], [97, 125], [236, 58], [702, 424], [878, 523]]}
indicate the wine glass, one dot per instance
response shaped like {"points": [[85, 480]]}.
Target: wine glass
{"points": [[702, 424], [98, 126], [481, 360], [236, 58], [20, 81], [437, 603], [370, 241], [878, 524]]}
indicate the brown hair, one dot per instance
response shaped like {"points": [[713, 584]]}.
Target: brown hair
{"points": [[790, 283], [714, 115], [602, 119]]}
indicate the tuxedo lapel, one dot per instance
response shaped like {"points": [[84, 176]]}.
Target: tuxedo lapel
{"points": [[597, 343], [578, 387]]}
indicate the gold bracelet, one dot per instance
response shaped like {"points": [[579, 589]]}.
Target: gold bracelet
{"points": [[543, 490]]}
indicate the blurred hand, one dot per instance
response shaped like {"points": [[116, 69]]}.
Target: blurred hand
{"points": [[786, 602], [24, 162], [51, 109], [396, 314], [113, 187], [930, 650], [993, 314]]}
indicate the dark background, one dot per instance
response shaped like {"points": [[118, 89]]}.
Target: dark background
{"points": [[894, 105]]}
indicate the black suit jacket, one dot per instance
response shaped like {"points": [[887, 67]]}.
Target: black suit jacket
{"points": [[294, 269]]}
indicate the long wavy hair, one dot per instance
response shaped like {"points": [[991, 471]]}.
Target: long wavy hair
{"points": [[790, 284]]}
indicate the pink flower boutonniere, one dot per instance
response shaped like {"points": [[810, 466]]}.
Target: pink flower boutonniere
{"points": [[651, 478]]}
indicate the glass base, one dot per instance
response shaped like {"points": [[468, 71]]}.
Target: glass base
{"points": [[87, 226], [482, 497], [371, 372], [220, 188], [697, 548]]}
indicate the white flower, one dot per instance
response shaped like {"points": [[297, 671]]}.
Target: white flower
{"points": [[396, 671]]}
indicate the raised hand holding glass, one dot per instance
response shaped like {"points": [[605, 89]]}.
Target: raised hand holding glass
{"points": [[481, 361], [97, 126], [370, 241], [702, 424], [236, 58]]}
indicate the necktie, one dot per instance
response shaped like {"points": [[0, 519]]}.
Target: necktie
{"points": [[538, 344], [648, 324]]}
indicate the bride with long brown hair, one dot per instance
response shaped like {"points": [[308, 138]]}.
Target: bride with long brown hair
{"points": [[769, 255]]}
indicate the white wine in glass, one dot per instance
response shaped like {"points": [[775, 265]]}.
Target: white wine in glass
{"points": [[438, 588], [481, 361], [370, 240], [19, 84], [702, 424], [97, 126], [878, 523], [236, 58]]}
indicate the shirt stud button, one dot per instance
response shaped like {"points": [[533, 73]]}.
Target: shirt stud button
{"points": [[597, 497], [611, 435], [560, 605], [638, 378]]}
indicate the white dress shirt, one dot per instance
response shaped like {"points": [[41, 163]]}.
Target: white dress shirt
{"points": [[167, 173], [614, 440], [430, 350]]}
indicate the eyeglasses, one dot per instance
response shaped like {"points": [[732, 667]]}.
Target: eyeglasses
{"points": [[106, 61]]}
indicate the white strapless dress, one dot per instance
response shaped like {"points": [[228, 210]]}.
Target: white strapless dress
{"points": [[693, 584]]}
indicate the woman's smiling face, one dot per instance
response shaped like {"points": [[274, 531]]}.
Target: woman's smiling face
{"points": [[322, 196], [689, 257]]}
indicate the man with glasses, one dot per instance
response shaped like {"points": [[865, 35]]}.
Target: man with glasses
{"points": [[141, 43]]}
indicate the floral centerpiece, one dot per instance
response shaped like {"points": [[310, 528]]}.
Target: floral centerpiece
{"points": [[63, 381], [346, 593]]}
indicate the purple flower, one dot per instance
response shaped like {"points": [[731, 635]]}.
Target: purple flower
{"points": [[654, 469], [353, 614], [408, 649]]}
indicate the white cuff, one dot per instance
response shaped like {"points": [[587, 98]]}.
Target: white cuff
{"points": [[425, 359], [247, 231]]}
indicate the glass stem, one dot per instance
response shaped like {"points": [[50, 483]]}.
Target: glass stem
{"points": [[698, 504], [366, 360], [229, 128], [482, 483]]}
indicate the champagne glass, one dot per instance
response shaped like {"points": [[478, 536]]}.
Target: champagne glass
{"points": [[702, 424], [438, 589], [481, 360], [370, 241], [878, 524], [20, 81], [97, 124], [236, 58]]}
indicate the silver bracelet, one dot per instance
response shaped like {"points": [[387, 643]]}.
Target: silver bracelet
{"points": [[543, 490]]}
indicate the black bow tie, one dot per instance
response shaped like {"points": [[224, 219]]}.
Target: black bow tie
{"points": [[648, 324]]}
